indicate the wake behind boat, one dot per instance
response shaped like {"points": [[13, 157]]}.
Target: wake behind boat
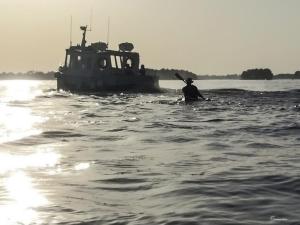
{"points": [[95, 68]]}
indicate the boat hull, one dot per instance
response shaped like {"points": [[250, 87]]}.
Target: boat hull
{"points": [[107, 82]]}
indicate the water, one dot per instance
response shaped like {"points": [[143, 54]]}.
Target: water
{"points": [[148, 158]]}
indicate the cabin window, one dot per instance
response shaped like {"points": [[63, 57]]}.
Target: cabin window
{"points": [[113, 60], [119, 62], [76, 61], [116, 61], [102, 63], [128, 63], [68, 60]]}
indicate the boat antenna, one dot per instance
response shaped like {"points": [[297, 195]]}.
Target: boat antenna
{"points": [[91, 20], [108, 31], [71, 25]]}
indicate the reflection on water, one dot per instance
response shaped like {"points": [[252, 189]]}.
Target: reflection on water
{"points": [[20, 195], [82, 166], [23, 197], [18, 122], [20, 90], [10, 162], [19, 192]]}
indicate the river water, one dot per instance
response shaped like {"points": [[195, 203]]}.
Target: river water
{"points": [[149, 158]]}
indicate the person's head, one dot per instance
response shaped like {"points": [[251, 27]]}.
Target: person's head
{"points": [[142, 66], [189, 80]]}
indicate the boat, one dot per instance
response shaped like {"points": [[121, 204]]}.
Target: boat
{"points": [[95, 68]]}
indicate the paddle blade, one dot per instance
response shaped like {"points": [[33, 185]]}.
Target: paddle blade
{"points": [[179, 77]]}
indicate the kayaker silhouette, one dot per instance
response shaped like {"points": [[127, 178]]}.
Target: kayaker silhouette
{"points": [[190, 92]]}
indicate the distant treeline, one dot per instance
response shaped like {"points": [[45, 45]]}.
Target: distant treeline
{"points": [[252, 74], [288, 75], [30, 75], [167, 74], [257, 74], [266, 74]]}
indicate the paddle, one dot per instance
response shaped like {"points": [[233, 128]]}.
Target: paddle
{"points": [[181, 78]]}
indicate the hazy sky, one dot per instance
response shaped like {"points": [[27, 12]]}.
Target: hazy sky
{"points": [[203, 36]]}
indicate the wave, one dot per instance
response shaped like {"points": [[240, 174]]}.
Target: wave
{"points": [[108, 138], [243, 187], [60, 134], [259, 145], [119, 129], [214, 120], [295, 90], [179, 139], [217, 146], [27, 141], [294, 126], [227, 90], [123, 180], [127, 189], [237, 91], [170, 126], [271, 130]]}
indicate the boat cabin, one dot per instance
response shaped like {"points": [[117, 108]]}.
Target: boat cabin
{"points": [[96, 57]]}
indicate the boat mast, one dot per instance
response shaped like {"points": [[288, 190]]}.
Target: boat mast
{"points": [[83, 42], [91, 20], [108, 27], [85, 29], [71, 26]]}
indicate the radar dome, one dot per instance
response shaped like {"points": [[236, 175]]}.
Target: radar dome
{"points": [[126, 47]]}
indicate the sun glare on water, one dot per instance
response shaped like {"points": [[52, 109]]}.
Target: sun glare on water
{"points": [[21, 196], [16, 121], [20, 90], [9, 162], [20, 191]]}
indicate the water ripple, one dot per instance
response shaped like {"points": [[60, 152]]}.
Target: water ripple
{"points": [[125, 158]]}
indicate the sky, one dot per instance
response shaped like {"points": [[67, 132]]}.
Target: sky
{"points": [[202, 36]]}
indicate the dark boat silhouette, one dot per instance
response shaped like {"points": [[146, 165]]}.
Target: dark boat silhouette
{"points": [[95, 68]]}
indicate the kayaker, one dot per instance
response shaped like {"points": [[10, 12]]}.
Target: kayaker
{"points": [[191, 92]]}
